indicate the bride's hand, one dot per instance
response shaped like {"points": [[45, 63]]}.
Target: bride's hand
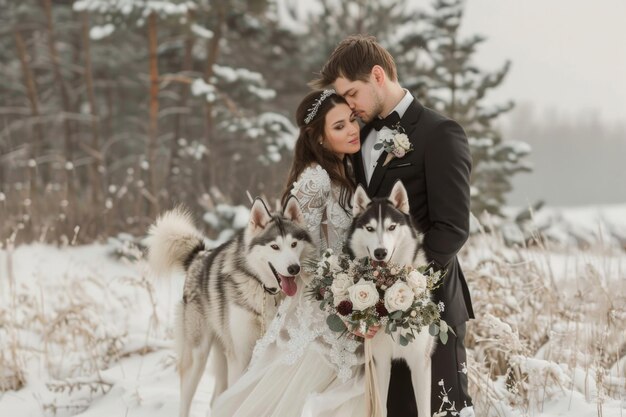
{"points": [[371, 332]]}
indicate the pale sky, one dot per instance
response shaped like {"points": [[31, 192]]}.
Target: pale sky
{"points": [[567, 55]]}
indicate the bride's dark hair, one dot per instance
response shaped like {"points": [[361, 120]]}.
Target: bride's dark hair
{"points": [[309, 150]]}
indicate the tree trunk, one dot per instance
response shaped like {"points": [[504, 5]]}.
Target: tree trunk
{"points": [[154, 114], [212, 55], [94, 151], [180, 118], [65, 101], [37, 145]]}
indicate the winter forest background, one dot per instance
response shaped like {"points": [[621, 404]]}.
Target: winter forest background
{"points": [[112, 111]]}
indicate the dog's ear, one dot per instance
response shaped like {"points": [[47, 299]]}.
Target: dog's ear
{"points": [[399, 198], [259, 216], [360, 201], [293, 212]]}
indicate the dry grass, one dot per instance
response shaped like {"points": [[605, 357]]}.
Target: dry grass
{"points": [[66, 332], [550, 321]]}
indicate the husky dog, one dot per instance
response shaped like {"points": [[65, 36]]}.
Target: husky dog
{"points": [[382, 229], [224, 298]]}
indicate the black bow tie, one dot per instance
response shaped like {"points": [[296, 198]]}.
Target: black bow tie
{"points": [[390, 121]]}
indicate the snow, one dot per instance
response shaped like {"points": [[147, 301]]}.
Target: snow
{"points": [[200, 87], [126, 7], [93, 332], [201, 31], [232, 75], [100, 32], [262, 93], [113, 298]]}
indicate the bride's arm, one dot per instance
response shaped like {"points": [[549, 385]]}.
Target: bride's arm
{"points": [[312, 189]]}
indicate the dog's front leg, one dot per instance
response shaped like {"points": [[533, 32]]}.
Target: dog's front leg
{"points": [[382, 352], [421, 367]]}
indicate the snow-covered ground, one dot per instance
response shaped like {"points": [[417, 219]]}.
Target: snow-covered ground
{"points": [[91, 334], [84, 333]]}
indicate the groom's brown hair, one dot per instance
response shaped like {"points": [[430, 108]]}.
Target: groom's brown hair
{"points": [[354, 59]]}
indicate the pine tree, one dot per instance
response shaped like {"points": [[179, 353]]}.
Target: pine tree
{"points": [[445, 78]]}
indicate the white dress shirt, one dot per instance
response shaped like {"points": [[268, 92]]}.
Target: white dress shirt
{"points": [[371, 155]]}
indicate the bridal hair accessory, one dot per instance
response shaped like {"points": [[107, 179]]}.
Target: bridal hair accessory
{"points": [[316, 105]]}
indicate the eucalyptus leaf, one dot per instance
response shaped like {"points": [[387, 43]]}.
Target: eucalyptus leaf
{"points": [[403, 340], [335, 323], [433, 329], [443, 337], [378, 146]]}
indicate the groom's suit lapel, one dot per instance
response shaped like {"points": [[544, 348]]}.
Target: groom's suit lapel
{"points": [[409, 124]]}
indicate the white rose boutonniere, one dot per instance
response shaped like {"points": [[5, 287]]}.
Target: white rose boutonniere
{"points": [[396, 145]]}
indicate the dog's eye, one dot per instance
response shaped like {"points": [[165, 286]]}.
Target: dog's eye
{"points": [[392, 227], [275, 246], [294, 244], [369, 228]]}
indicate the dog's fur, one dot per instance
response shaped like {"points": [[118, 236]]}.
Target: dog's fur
{"points": [[225, 291], [382, 229]]}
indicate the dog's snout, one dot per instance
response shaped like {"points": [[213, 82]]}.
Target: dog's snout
{"points": [[380, 253], [293, 269]]}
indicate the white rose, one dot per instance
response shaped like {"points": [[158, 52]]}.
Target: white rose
{"points": [[339, 288], [399, 297], [363, 294], [401, 140], [417, 282], [333, 263]]}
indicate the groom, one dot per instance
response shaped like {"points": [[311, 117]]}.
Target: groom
{"points": [[436, 175]]}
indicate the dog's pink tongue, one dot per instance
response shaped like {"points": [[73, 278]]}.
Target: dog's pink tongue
{"points": [[288, 284]]}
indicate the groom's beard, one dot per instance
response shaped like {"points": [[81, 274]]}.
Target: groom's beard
{"points": [[377, 108]]}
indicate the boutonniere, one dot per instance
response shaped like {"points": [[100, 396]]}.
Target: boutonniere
{"points": [[396, 143]]}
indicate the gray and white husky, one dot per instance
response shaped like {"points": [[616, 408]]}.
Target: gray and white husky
{"points": [[382, 229], [230, 290]]}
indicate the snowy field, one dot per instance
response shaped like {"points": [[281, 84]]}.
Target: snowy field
{"points": [[86, 333]]}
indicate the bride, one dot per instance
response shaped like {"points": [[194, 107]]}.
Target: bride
{"points": [[300, 367]]}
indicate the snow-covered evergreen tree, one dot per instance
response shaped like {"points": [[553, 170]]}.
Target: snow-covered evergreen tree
{"points": [[444, 76], [229, 130]]}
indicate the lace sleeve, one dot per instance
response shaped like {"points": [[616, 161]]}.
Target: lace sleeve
{"points": [[312, 189]]}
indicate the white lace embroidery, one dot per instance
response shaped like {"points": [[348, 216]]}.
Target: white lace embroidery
{"points": [[319, 197], [299, 323]]}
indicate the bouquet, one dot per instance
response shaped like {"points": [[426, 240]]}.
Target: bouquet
{"points": [[362, 293]]}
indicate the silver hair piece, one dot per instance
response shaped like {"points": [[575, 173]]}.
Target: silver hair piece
{"points": [[316, 105]]}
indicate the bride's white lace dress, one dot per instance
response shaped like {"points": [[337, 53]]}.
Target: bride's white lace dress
{"points": [[300, 367]]}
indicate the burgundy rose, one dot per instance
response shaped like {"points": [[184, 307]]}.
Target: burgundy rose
{"points": [[345, 307], [381, 309]]}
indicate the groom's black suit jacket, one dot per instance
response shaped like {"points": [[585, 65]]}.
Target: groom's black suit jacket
{"points": [[436, 175]]}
